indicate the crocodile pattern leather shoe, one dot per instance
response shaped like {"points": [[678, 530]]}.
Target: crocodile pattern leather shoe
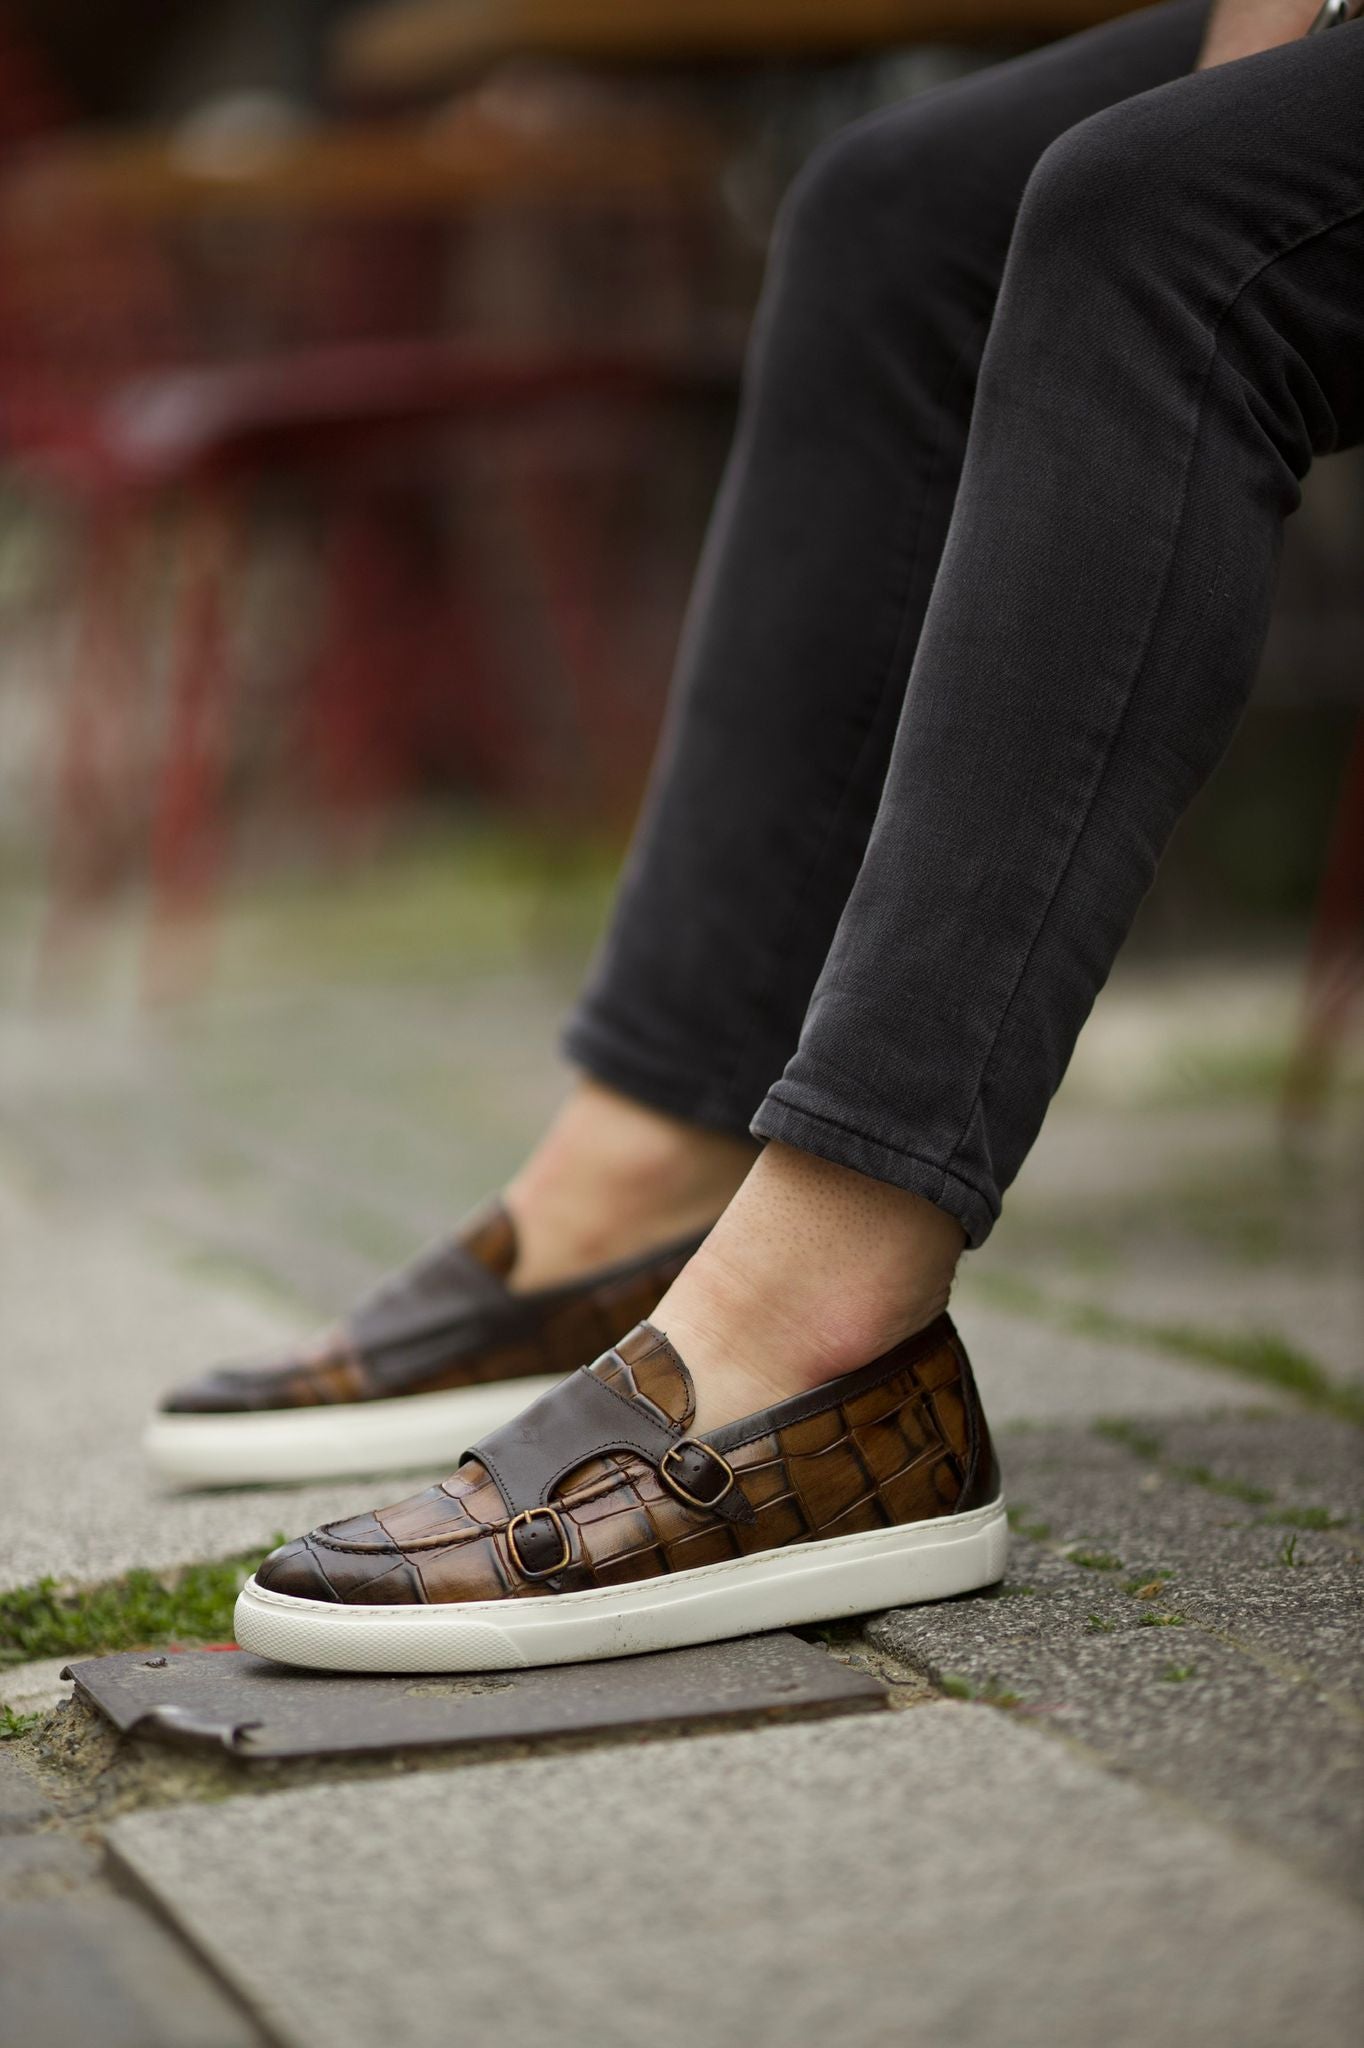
{"points": [[438, 1353], [595, 1524]]}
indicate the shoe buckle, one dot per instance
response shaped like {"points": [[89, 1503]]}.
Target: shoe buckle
{"points": [[527, 1519], [685, 1451]]}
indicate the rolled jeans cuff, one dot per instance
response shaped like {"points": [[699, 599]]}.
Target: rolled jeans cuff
{"points": [[838, 1142], [617, 1061]]}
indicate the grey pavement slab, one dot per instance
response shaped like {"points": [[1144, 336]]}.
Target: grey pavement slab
{"points": [[100, 1971], [22, 1805], [943, 1875], [1030, 1373], [252, 1709], [45, 1866], [97, 1321], [1154, 1617]]}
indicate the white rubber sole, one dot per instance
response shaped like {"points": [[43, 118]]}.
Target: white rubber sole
{"points": [[825, 1581], [348, 1441]]}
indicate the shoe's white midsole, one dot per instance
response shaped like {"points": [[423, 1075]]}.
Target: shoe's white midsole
{"points": [[808, 1582], [348, 1440]]}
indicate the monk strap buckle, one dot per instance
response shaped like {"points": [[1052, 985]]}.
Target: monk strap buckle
{"points": [[538, 1523], [697, 1474]]}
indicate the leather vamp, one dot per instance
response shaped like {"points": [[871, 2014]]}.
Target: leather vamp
{"points": [[446, 1320]]}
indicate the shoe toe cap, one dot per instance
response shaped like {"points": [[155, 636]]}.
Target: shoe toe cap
{"points": [[227, 1390], [294, 1569], [353, 1562]]}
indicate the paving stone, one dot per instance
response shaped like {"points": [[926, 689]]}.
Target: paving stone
{"points": [[102, 1972], [88, 1363], [45, 1866], [34, 1688], [945, 1874], [257, 1710], [1311, 1462], [1258, 1750], [1031, 1373], [22, 1805], [1090, 1492], [1265, 1730]]}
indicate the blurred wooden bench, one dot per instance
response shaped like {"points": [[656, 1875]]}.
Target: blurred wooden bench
{"points": [[415, 46], [472, 160]]}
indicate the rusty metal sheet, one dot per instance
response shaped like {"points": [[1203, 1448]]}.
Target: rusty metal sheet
{"points": [[254, 1709]]}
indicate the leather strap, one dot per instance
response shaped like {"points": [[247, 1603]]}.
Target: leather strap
{"points": [[408, 1324], [583, 1418]]}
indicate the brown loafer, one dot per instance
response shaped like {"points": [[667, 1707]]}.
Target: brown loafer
{"points": [[596, 1525], [436, 1355]]}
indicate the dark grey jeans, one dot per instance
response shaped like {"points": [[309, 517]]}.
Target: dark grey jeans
{"points": [[1041, 361]]}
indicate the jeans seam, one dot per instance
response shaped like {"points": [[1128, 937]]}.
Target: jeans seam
{"points": [[1215, 343]]}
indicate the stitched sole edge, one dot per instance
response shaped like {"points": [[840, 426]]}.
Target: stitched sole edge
{"points": [[348, 1440], [808, 1582]]}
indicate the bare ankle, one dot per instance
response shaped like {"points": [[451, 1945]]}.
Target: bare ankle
{"points": [[812, 1271], [613, 1178]]}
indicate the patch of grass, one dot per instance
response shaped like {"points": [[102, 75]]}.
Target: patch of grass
{"points": [[191, 1604], [1178, 1674], [1262, 1355], [1012, 1590], [1234, 1489], [1303, 1518], [1288, 1551], [13, 1725], [1147, 1588], [1130, 1435], [992, 1694], [1161, 1621], [1098, 1626], [1095, 1560], [1024, 1523]]}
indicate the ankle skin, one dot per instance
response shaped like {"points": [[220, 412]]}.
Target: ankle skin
{"points": [[612, 1178], [812, 1271]]}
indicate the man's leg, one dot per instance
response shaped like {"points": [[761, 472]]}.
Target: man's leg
{"points": [[808, 605], [1179, 331]]}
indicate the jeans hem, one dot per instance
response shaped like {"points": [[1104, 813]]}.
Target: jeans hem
{"points": [[844, 1146], [617, 1064]]}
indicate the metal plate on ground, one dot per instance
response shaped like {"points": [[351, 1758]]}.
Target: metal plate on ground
{"points": [[251, 1708]]}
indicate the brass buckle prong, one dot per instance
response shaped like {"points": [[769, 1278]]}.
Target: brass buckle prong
{"points": [[526, 1517], [675, 1485]]}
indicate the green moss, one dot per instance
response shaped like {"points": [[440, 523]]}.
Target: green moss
{"points": [[1143, 1444], [1288, 1551], [191, 1604], [1162, 1621], [1095, 1560], [956, 1688], [1022, 1520], [1233, 1489], [1130, 1435], [1304, 1518], [992, 1694], [1098, 1626], [1261, 1355], [1178, 1674]]}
